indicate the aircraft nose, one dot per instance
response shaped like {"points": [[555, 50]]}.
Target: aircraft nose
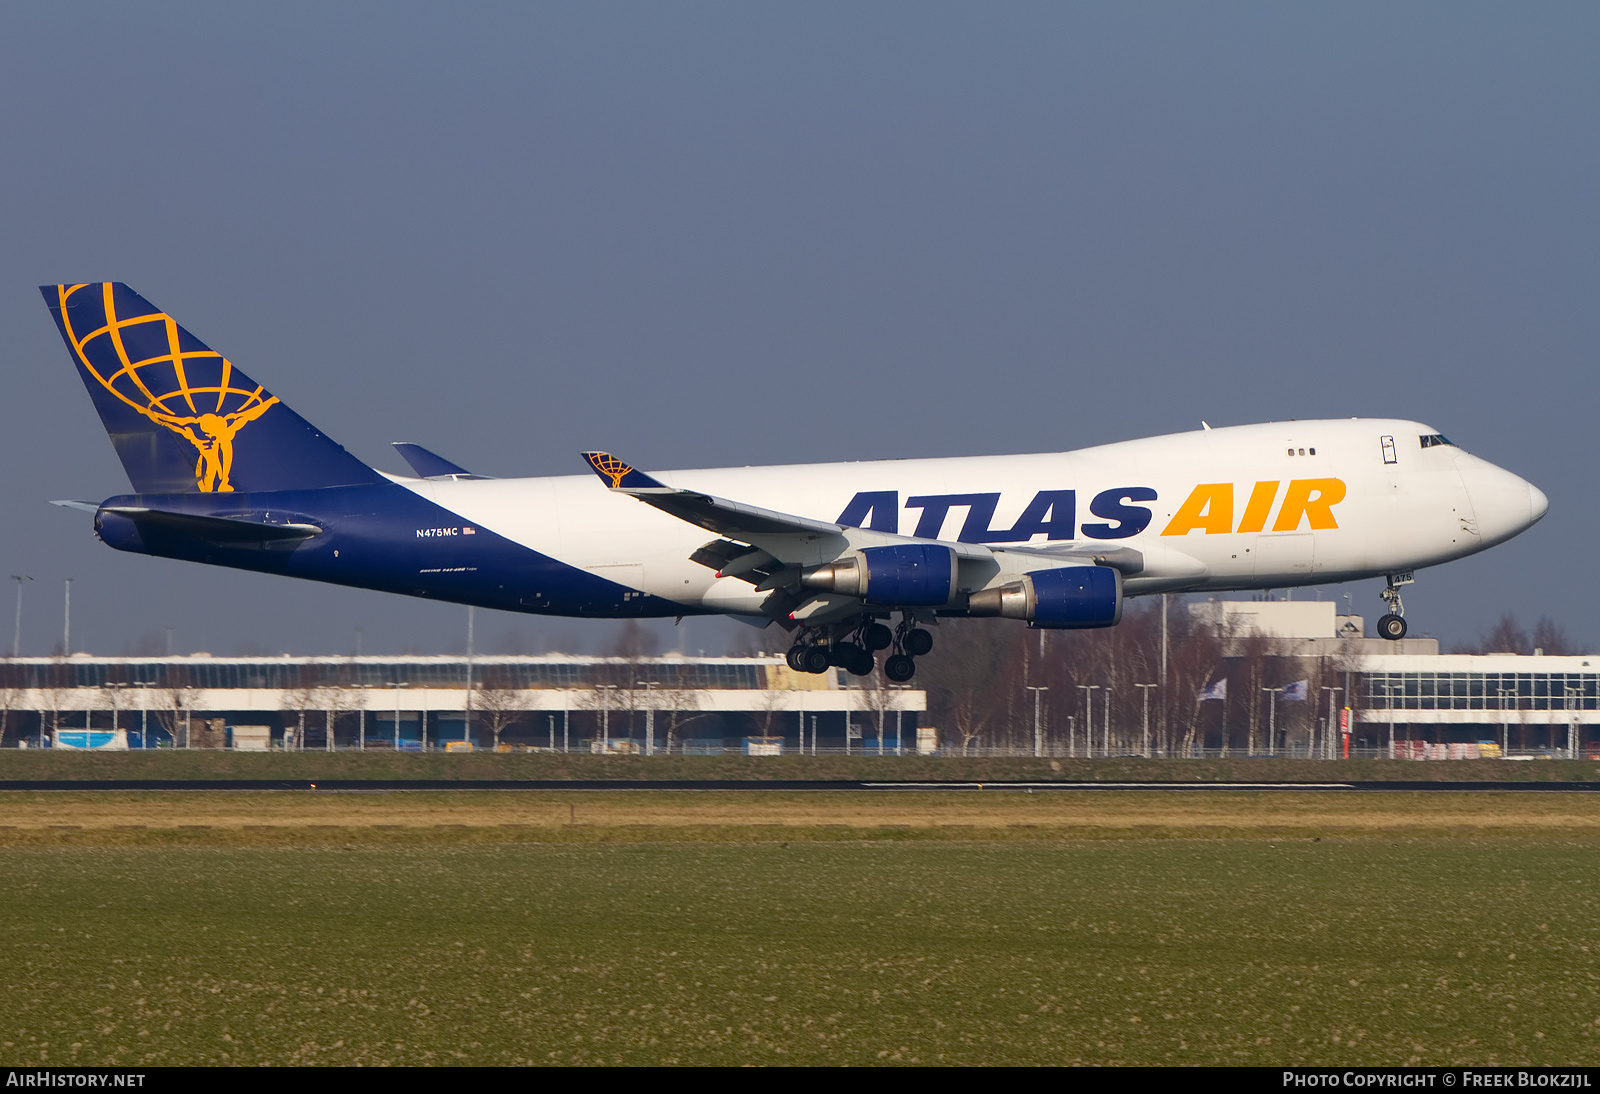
{"points": [[1505, 504], [1539, 505]]}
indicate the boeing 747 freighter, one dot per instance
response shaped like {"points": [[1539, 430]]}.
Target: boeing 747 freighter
{"points": [[850, 558]]}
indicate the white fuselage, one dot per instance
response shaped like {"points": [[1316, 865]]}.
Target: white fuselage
{"points": [[1244, 507]]}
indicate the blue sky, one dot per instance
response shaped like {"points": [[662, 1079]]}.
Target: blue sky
{"points": [[705, 234]]}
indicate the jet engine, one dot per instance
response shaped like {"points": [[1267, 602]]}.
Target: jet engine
{"points": [[907, 575], [1066, 597]]}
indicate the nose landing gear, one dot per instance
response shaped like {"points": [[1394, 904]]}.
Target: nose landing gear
{"points": [[1393, 625]]}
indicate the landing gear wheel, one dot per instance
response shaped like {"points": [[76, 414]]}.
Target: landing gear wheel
{"points": [[875, 636], [814, 660], [796, 657], [1392, 627], [919, 642], [852, 658], [899, 668]]}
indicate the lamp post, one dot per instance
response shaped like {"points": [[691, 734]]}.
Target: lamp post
{"points": [[1505, 727], [605, 716], [395, 686], [16, 631], [1038, 729], [1572, 704], [1327, 740], [1088, 718], [650, 717], [144, 712], [1146, 689], [1272, 719], [1389, 689]]}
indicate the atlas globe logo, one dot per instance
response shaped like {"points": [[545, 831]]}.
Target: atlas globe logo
{"points": [[188, 390]]}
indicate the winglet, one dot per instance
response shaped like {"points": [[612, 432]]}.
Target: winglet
{"points": [[618, 475]]}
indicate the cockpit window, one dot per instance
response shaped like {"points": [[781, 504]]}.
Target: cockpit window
{"points": [[1431, 439]]}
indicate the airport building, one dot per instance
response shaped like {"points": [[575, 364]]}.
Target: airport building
{"points": [[1410, 701], [559, 701]]}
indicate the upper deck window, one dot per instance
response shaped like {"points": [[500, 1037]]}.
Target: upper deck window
{"points": [[1431, 439]]}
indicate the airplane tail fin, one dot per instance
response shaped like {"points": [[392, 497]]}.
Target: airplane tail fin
{"points": [[183, 418]]}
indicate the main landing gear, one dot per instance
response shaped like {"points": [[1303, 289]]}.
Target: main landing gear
{"points": [[853, 646], [1393, 625]]}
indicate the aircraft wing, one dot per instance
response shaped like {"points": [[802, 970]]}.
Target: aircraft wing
{"points": [[773, 550], [752, 524], [726, 518]]}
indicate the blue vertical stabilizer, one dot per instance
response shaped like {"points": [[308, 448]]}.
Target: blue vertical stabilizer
{"points": [[183, 418]]}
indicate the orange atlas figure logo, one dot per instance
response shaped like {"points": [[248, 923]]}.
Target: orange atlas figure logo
{"points": [[611, 467], [192, 392]]}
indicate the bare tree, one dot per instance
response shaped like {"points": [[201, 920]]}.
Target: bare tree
{"points": [[678, 699], [173, 707], [499, 703]]}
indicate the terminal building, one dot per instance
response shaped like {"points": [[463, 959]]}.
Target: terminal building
{"points": [[1410, 701], [554, 701]]}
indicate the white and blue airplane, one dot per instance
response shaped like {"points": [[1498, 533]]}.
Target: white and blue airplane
{"points": [[226, 474]]}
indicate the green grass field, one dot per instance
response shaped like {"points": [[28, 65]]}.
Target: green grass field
{"points": [[364, 948]]}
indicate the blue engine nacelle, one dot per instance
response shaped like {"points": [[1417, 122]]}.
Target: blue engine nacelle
{"points": [[911, 575], [1067, 597]]}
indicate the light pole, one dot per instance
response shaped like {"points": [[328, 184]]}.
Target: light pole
{"points": [[1389, 688], [1105, 740], [1038, 730], [1146, 689], [466, 721], [1505, 728], [1272, 720], [1327, 740], [650, 718], [1088, 718], [605, 716], [1574, 698], [144, 712], [395, 686], [66, 622], [16, 632]]}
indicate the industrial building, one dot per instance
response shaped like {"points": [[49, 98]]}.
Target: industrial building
{"points": [[559, 701]]}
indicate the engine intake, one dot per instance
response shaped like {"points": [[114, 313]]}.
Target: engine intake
{"points": [[1066, 597]]}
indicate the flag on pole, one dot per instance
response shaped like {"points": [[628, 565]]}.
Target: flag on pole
{"points": [[1295, 692], [1219, 690]]}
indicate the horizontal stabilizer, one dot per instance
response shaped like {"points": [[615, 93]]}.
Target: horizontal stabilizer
{"points": [[430, 465], [217, 529]]}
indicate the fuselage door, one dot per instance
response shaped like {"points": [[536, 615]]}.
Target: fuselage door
{"points": [[1289, 554]]}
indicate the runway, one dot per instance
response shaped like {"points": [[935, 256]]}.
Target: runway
{"points": [[773, 785]]}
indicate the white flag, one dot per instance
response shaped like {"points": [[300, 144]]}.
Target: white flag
{"points": [[1295, 692], [1219, 690]]}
